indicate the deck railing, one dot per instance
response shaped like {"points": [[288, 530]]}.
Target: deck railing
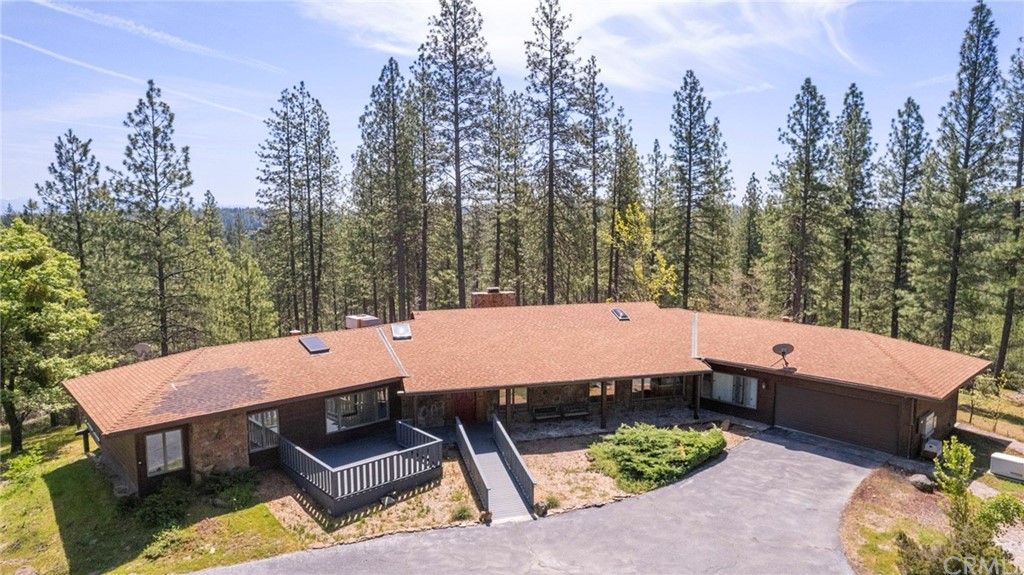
{"points": [[514, 461], [483, 490], [422, 454], [261, 437]]}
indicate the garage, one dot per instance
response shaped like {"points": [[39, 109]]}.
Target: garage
{"points": [[855, 420]]}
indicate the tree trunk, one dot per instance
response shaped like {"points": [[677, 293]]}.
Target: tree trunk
{"points": [[549, 234], [847, 273], [13, 423]]}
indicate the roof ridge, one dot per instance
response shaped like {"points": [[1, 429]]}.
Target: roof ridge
{"points": [[157, 388], [871, 339]]}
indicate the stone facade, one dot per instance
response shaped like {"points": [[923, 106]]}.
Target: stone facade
{"points": [[557, 394], [493, 299], [430, 410], [219, 443]]}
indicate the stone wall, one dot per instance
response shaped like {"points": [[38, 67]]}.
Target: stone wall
{"points": [[557, 394], [219, 443], [480, 299], [430, 410]]}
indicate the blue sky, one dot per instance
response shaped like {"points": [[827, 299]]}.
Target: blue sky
{"points": [[223, 65]]}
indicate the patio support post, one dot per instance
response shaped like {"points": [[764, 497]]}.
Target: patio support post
{"points": [[604, 405], [508, 407], [415, 409], [696, 396]]}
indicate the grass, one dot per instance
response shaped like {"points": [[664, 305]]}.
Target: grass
{"points": [[1001, 414], [878, 552], [63, 518]]}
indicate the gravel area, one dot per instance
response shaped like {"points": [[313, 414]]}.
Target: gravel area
{"points": [[681, 416]]}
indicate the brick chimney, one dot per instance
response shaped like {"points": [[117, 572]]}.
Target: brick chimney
{"points": [[493, 297]]}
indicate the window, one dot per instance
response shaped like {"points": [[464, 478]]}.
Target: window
{"points": [[595, 392], [357, 409], [727, 388], [667, 387], [518, 398], [263, 430], [642, 388], [164, 452]]}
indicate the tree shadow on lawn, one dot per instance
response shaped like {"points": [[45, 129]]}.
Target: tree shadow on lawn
{"points": [[97, 536], [983, 447]]}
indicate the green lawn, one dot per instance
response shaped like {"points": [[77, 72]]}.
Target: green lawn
{"points": [[1003, 414], [62, 517]]}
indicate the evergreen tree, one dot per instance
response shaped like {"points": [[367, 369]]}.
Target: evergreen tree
{"points": [[72, 198], [712, 221], [804, 211], [902, 172], [460, 74], [495, 170], [1013, 253], [951, 240], [551, 81], [689, 156], [750, 248], [658, 187], [521, 210], [594, 106], [624, 192], [851, 184], [153, 193], [422, 102]]}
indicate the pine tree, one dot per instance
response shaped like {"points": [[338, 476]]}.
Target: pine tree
{"points": [[1013, 253], [750, 248], [902, 172], [72, 198], [952, 239], [804, 210], [551, 81], [422, 102], [153, 193], [594, 106], [851, 184], [460, 75], [659, 194], [689, 157], [712, 220], [495, 170], [520, 217], [624, 191], [214, 270]]}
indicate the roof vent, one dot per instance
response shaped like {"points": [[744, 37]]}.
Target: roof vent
{"points": [[294, 332], [620, 314], [314, 345], [494, 289], [401, 331]]}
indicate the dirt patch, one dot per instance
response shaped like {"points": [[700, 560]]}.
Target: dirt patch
{"points": [[564, 471], [882, 505], [429, 507]]}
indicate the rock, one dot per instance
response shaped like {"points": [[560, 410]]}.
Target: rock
{"points": [[922, 483], [26, 570], [387, 501], [726, 424], [486, 517], [218, 502], [541, 508]]}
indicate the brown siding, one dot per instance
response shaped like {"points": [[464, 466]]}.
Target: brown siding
{"points": [[120, 452], [149, 484], [858, 420], [945, 418], [305, 422], [765, 412]]}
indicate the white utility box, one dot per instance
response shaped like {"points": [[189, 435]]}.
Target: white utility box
{"points": [[1009, 466]]}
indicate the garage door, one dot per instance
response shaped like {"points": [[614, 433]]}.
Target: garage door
{"points": [[851, 419]]}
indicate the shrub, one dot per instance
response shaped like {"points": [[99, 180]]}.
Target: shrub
{"points": [[166, 542], [1001, 510], [238, 496], [166, 507], [237, 487], [462, 513], [553, 502], [23, 467], [643, 457]]}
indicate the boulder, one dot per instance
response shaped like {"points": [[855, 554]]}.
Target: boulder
{"points": [[922, 483], [541, 508], [26, 570], [387, 501], [219, 503]]}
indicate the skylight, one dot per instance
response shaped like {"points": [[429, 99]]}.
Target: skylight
{"points": [[401, 331], [314, 345], [620, 314]]}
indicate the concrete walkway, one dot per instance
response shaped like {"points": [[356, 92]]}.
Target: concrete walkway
{"points": [[506, 503], [771, 506]]}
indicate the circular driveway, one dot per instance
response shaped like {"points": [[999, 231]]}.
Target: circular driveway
{"points": [[772, 505]]}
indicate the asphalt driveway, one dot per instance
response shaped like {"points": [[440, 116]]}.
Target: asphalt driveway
{"points": [[771, 506]]}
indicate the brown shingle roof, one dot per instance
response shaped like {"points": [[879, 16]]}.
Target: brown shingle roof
{"points": [[841, 355], [229, 377], [469, 349], [513, 346]]}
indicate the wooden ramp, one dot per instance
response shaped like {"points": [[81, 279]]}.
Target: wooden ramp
{"points": [[506, 502]]}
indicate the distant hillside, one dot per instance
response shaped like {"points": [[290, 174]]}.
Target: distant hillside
{"points": [[251, 218]]}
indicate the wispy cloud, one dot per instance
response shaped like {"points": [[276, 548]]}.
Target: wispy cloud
{"points": [[126, 77], [157, 36], [643, 46]]}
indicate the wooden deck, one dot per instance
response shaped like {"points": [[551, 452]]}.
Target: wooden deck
{"points": [[506, 503], [358, 450]]}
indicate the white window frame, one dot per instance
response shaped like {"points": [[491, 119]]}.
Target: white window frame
{"points": [[732, 389], [353, 406], [152, 451], [268, 428]]}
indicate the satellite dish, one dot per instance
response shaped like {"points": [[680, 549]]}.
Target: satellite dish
{"points": [[783, 349]]}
